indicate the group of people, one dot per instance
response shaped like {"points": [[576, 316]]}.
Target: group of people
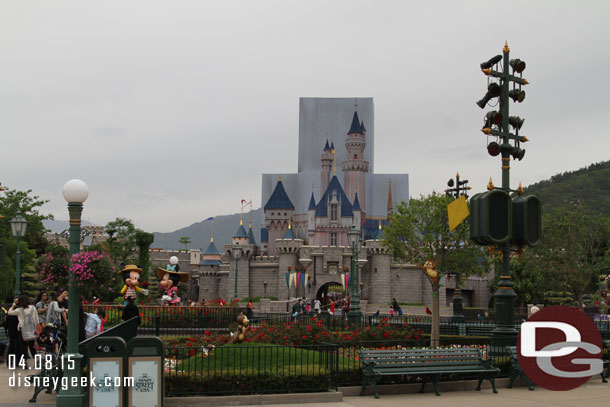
{"points": [[25, 324], [305, 306]]}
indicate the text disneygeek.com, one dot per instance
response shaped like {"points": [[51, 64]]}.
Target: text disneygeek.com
{"points": [[63, 383]]}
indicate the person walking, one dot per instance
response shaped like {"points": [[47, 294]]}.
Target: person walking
{"points": [[94, 323], [27, 316], [317, 306], [42, 306], [55, 313], [331, 307], [15, 341], [396, 307], [131, 310], [250, 309]]}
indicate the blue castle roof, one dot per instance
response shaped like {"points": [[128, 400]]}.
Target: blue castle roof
{"points": [[362, 126], [346, 206], [356, 206], [210, 263], [251, 236], [355, 127], [241, 232], [312, 203], [264, 235], [326, 147], [279, 198], [212, 250], [289, 234]]}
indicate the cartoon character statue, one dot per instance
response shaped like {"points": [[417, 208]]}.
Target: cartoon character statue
{"points": [[240, 334], [131, 277], [428, 268], [169, 278]]}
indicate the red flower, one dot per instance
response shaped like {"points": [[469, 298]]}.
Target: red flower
{"points": [[192, 352], [304, 336]]}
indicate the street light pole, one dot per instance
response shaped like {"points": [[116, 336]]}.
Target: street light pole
{"points": [[75, 192], [355, 314], [456, 189], [18, 226]]}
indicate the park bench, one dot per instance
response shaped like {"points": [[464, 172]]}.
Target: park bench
{"points": [[425, 363], [515, 369]]}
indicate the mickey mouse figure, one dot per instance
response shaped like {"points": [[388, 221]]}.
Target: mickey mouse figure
{"points": [[131, 277], [169, 278]]}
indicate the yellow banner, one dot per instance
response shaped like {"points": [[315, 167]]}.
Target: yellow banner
{"points": [[457, 211]]}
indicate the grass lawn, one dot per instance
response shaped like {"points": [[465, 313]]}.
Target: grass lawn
{"points": [[257, 357]]}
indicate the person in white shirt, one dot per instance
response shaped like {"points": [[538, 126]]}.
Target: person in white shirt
{"points": [[94, 323], [316, 306]]}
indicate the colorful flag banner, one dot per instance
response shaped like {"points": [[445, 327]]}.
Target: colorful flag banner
{"points": [[293, 279], [347, 279], [288, 280], [343, 280], [305, 278], [298, 278]]}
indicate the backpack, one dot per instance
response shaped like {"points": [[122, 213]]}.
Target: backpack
{"points": [[28, 327]]}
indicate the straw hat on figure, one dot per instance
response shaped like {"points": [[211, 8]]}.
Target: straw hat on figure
{"points": [[131, 278], [169, 278]]}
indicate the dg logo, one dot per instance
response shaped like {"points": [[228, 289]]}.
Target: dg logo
{"points": [[560, 348]]}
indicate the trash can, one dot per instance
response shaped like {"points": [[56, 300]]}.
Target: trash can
{"points": [[145, 359], [106, 365]]}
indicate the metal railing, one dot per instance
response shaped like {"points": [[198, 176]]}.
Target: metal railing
{"points": [[245, 369]]}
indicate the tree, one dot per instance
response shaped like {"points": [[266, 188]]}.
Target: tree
{"points": [[419, 233], [574, 243], [185, 240], [34, 241], [122, 240]]}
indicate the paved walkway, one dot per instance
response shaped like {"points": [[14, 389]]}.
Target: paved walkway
{"points": [[594, 393]]}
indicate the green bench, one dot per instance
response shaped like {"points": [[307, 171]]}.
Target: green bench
{"points": [[515, 369], [425, 363]]}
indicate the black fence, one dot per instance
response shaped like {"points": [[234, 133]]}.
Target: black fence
{"points": [[175, 320], [249, 369]]}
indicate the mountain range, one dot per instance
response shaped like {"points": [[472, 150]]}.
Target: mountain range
{"points": [[590, 185]]}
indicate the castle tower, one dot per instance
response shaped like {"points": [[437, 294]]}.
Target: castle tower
{"points": [[208, 272], [355, 167], [278, 212], [327, 162]]}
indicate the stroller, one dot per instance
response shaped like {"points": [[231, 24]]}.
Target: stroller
{"points": [[51, 339]]}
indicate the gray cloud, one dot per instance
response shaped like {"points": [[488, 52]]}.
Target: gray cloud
{"points": [[171, 112]]}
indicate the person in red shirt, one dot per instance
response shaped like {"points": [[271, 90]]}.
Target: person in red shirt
{"points": [[332, 307]]}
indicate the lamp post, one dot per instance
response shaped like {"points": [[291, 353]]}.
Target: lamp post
{"points": [[75, 192], [236, 255], [355, 315], [18, 226]]}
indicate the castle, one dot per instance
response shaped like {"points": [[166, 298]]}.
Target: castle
{"points": [[303, 250]]}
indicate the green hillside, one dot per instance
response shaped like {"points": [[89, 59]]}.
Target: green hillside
{"points": [[590, 185]]}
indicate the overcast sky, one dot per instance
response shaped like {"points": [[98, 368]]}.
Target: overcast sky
{"points": [[172, 110]]}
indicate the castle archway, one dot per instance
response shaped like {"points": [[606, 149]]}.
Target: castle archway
{"points": [[331, 290]]}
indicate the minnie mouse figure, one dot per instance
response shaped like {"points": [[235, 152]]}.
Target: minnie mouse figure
{"points": [[169, 278]]}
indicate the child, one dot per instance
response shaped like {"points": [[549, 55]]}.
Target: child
{"points": [[391, 311]]}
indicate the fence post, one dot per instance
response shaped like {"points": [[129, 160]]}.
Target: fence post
{"points": [[157, 325]]}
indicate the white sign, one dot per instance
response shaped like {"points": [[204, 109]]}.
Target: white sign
{"points": [[107, 391], [146, 374]]}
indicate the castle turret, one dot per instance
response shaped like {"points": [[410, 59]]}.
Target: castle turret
{"points": [[357, 213], [355, 167], [327, 162], [278, 212], [311, 217]]}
